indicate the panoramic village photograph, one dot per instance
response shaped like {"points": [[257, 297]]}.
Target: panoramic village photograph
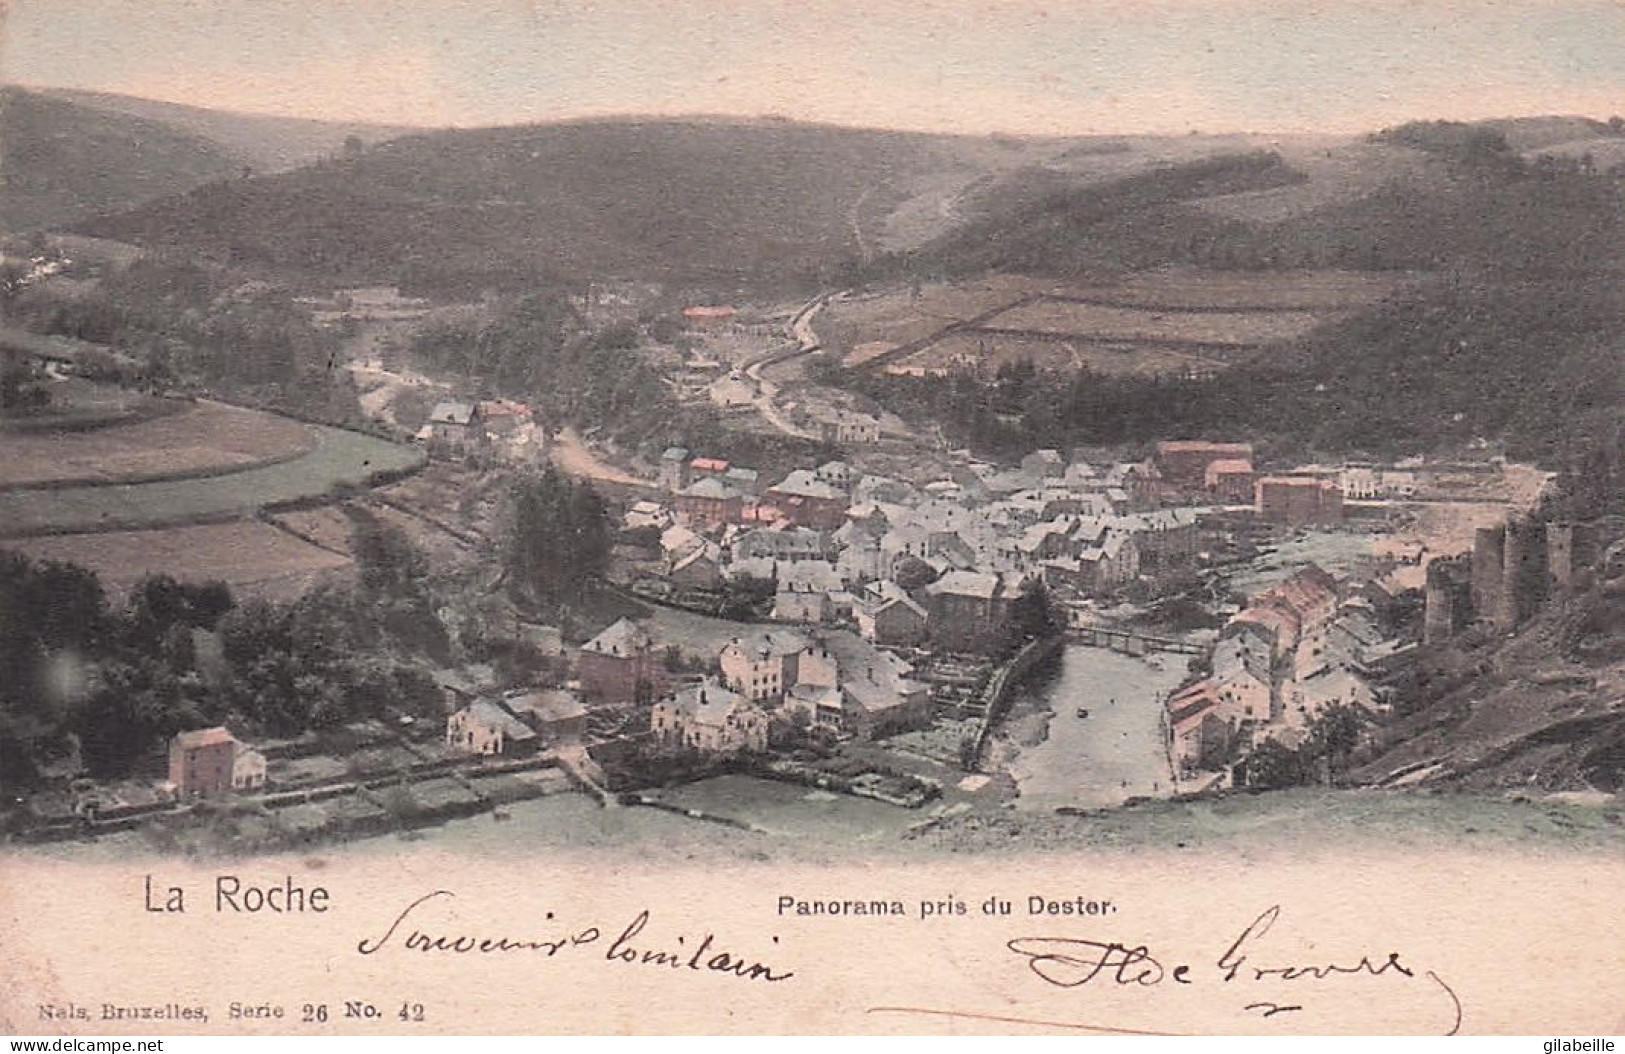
{"points": [[513, 426]]}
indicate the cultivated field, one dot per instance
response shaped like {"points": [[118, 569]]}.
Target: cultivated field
{"points": [[327, 527], [1073, 318], [899, 316], [1155, 322], [336, 458], [1317, 291], [80, 404], [201, 440], [250, 556], [987, 352]]}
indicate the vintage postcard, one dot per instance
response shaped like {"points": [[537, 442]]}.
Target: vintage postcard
{"points": [[970, 517]]}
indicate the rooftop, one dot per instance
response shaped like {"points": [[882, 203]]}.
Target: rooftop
{"points": [[494, 715], [204, 737], [770, 642], [707, 703], [981, 584], [623, 638], [805, 484], [550, 704], [709, 487]]}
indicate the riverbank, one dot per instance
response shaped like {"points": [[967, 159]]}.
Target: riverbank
{"points": [[1115, 753]]}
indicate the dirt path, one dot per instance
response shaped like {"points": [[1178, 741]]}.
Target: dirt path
{"points": [[379, 385], [571, 454]]}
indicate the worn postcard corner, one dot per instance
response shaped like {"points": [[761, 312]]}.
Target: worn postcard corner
{"points": [[622, 518]]}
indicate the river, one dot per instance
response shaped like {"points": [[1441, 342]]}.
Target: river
{"points": [[1115, 753]]}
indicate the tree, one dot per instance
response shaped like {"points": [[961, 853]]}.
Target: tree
{"points": [[1333, 735], [970, 756], [1034, 615], [389, 565], [1271, 766], [559, 539]]}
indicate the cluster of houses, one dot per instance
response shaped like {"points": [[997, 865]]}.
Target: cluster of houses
{"points": [[459, 429], [835, 682], [516, 722], [908, 564], [1296, 650], [832, 680]]}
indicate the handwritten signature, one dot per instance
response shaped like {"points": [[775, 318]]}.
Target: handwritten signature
{"points": [[629, 946], [1071, 963]]}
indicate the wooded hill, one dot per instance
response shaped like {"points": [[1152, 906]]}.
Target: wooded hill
{"points": [[715, 203], [60, 162]]}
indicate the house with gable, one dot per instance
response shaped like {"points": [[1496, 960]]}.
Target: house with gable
{"points": [[455, 428], [807, 592], [699, 568], [487, 726], [848, 686], [710, 719], [201, 762], [1167, 539], [807, 501], [708, 503], [787, 544], [763, 665], [1230, 480], [970, 610], [1244, 681], [619, 665], [888, 615], [1199, 736], [674, 468]]}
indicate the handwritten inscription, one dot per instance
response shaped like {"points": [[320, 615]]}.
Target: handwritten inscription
{"points": [[629, 945], [1271, 985]]}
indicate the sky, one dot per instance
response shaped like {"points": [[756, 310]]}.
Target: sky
{"points": [[974, 66]]}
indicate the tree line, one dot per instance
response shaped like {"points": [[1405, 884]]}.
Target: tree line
{"points": [[102, 682], [192, 326]]}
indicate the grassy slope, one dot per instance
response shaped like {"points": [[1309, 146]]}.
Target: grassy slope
{"points": [[340, 458], [260, 140], [62, 162], [1314, 819]]}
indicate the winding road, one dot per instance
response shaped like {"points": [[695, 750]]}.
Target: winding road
{"points": [[806, 341]]}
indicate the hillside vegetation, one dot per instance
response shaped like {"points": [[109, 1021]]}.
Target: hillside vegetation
{"points": [[714, 203], [1491, 210], [61, 162], [1511, 331], [261, 141]]}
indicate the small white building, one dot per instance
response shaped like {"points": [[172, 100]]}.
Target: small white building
{"points": [[710, 719], [247, 769], [486, 726]]}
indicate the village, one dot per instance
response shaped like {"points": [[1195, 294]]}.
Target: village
{"points": [[901, 622], [887, 629]]}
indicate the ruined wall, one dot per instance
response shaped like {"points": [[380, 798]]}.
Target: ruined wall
{"points": [[1489, 572], [1448, 598]]}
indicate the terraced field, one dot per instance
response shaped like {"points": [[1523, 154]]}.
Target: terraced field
{"points": [[247, 555], [1172, 321], [1109, 322], [201, 440], [336, 458]]}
